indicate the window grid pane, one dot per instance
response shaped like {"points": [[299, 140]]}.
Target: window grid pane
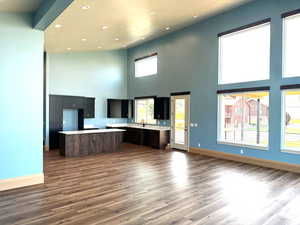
{"points": [[245, 55], [244, 118], [291, 120], [291, 46], [146, 67], [145, 111]]}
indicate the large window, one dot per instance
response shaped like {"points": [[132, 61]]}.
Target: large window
{"points": [[291, 120], [244, 55], [146, 66], [291, 46], [244, 118], [144, 111]]}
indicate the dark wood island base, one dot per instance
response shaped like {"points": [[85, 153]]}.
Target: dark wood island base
{"points": [[88, 142]]}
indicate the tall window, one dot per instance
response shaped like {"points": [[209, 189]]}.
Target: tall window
{"points": [[291, 45], [244, 55], [146, 66], [244, 118], [291, 120], [144, 111]]}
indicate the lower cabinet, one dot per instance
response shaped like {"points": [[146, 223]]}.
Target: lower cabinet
{"points": [[157, 139]]}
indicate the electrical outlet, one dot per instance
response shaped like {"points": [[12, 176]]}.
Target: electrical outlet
{"points": [[242, 151], [199, 144], [196, 124], [192, 124]]}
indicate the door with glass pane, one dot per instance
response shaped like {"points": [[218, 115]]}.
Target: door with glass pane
{"points": [[180, 117]]}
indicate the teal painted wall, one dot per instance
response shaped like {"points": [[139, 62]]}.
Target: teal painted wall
{"points": [[99, 74], [21, 96], [188, 61]]}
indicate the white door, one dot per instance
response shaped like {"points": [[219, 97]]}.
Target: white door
{"points": [[180, 120]]}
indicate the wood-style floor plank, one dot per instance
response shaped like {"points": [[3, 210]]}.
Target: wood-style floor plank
{"points": [[153, 187]]}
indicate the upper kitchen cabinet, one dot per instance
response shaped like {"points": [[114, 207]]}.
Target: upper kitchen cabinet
{"points": [[127, 109], [119, 108], [89, 108], [162, 108]]}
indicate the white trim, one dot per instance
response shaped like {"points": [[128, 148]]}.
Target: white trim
{"points": [[243, 145], [17, 182], [291, 151]]}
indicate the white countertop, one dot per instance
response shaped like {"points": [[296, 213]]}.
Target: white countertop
{"points": [[147, 127], [91, 131]]}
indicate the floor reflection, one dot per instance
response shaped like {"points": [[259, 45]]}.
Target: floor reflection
{"points": [[179, 169], [246, 197]]}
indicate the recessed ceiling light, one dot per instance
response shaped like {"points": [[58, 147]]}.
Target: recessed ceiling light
{"points": [[168, 28], [68, 49], [85, 7], [195, 16], [104, 27], [99, 47], [58, 26], [83, 39], [117, 39]]}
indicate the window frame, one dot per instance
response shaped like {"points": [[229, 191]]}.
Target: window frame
{"points": [[285, 89], [143, 58], [238, 30], [285, 17], [136, 111], [219, 117]]}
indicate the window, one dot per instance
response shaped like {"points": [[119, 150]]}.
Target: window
{"points": [[144, 111], [244, 118], [291, 45], [244, 55], [291, 120], [146, 66]]}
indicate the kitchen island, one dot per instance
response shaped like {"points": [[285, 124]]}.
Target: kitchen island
{"points": [[88, 142]]}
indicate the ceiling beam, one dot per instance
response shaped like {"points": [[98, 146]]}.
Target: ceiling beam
{"points": [[48, 12]]}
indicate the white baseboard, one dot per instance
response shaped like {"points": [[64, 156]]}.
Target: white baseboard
{"points": [[18, 182]]}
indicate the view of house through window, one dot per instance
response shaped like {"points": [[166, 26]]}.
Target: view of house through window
{"points": [[291, 120], [244, 118], [144, 111]]}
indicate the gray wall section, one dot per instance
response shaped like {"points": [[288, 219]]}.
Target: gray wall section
{"points": [[99, 74]]}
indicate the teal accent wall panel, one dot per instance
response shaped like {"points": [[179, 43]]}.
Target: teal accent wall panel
{"points": [[188, 61], [48, 12], [21, 96]]}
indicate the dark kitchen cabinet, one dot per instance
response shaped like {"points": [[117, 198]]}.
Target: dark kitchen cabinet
{"points": [[162, 108], [119, 108], [73, 102], [89, 108], [157, 139], [127, 109], [57, 103], [114, 108]]}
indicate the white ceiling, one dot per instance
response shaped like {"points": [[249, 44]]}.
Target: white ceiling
{"points": [[129, 22], [19, 5]]}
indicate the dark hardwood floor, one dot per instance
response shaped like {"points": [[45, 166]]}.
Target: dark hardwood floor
{"points": [[145, 186]]}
